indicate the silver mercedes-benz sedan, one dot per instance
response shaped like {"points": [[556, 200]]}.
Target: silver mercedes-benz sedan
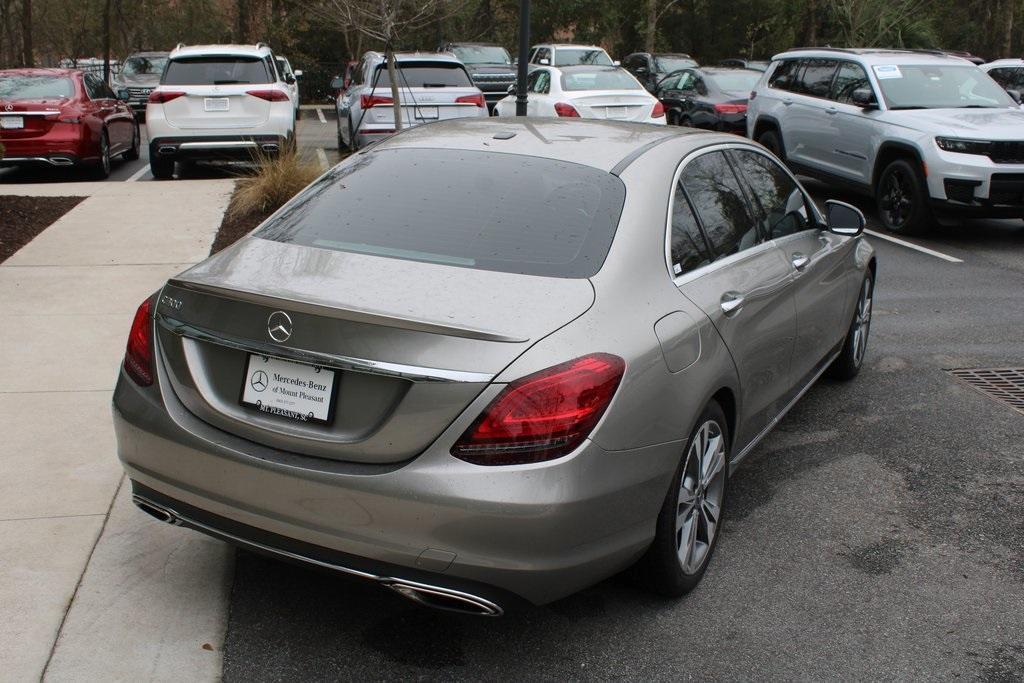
{"points": [[495, 361]]}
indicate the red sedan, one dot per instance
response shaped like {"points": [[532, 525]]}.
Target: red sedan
{"points": [[63, 117]]}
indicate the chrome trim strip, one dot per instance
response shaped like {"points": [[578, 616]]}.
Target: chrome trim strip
{"points": [[55, 112], [217, 144], [486, 607], [58, 161], [413, 373], [734, 463]]}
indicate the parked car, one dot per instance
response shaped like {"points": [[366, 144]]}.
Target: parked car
{"points": [[650, 69], [590, 92], [1008, 73], [755, 64], [138, 76], [432, 87], [291, 78], [218, 102], [490, 67], [474, 408], [564, 54], [63, 117], [922, 133], [711, 97]]}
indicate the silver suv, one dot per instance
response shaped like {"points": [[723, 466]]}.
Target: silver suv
{"points": [[924, 134]]}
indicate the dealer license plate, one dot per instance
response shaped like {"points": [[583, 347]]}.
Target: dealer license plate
{"points": [[295, 391], [12, 122], [216, 104]]}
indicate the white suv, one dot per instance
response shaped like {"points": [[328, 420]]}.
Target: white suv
{"points": [[218, 102], [922, 133]]}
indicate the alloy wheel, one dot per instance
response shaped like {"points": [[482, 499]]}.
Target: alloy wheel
{"points": [[699, 504], [862, 323], [897, 198], [105, 155]]}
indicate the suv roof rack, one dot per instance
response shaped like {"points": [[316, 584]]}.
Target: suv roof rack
{"points": [[262, 44], [179, 46]]}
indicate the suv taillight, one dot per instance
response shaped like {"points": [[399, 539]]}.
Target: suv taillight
{"points": [[544, 415], [478, 100], [367, 101], [566, 110], [269, 94], [138, 357], [161, 96]]}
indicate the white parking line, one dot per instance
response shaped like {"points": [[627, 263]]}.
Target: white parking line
{"points": [[321, 156], [320, 114], [915, 247], [138, 174]]}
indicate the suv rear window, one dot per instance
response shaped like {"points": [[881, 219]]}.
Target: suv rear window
{"points": [[482, 210], [216, 70], [426, 75]]}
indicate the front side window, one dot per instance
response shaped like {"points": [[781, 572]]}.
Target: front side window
{"points": [[542, 53], [716, 194], [577, 56], [779, 203], [816, 79], [784, 76], [16, 87], [1011, 78], [849, 78], [217, 70], [688, 246]]}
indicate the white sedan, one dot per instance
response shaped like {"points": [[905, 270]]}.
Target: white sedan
{"points": [[589, 92]]}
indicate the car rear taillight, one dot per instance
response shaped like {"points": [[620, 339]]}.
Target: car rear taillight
{"points": [[367, 101], [138, 357], [544, 415], [566, 110], [477, 99], [726, 108], [659, 110], [161, 96], [269, 94]]}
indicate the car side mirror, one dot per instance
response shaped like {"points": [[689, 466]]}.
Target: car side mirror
{"points": [[122, 95], [289, 79], [844, 219], [642, 70], [1015, 94], [864, 98], [512, 90], [298, 74], [338, 83], [617, 63], [544, 61]]}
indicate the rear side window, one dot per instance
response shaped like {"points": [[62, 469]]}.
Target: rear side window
{"points": [[216, 71], [425, 75], [779, 204], [1011, 78], [716, 195], [784, 76], [481, 210], [35, 87], [849, 78], [816, 79], [689, 248]]}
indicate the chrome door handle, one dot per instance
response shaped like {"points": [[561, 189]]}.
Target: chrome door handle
{"points": [[831, 110], [787, 102], [731, 302], [800, 261]]}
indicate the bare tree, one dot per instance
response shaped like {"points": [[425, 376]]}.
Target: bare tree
{"points": [[656, 9], [383, 21], [28, 55]]}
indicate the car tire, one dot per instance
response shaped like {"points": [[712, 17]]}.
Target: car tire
{"points": [[771, 141], [352, 144], [101, 168], [162, 169], [133, 153], [342, 146], [849, 361], [902, 199], [685, 539], [671, 117]]}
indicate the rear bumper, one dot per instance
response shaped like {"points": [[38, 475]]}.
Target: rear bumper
{"points": [[236, 147], [52, 159], [64, 145], [539, 532]]}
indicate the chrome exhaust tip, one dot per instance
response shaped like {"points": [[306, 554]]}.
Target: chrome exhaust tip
{"points": [[61, 161], [270, 147], [445, 598], [156, 512], [167, 149]]}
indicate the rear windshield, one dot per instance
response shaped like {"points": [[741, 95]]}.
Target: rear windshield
{"points": [[572, 56], [611, 79], [35, 87], [740, 81], [482, 210], [216, 71], [425, 75]]}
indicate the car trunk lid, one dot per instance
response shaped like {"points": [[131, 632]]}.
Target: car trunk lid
{"points": [[614, 105]]}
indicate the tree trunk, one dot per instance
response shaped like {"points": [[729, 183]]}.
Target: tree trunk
{"points": [[1008, 35], [651, 30], [106, 41], [812, 23], [27, 56], [393, 77], [242, 21]]}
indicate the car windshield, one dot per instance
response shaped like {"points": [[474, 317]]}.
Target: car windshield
{"points": [[666, 65], [570, 56], [142, 66], [738, 81], [482, 54], [216, 71], [605, 79], [541, 217], [425, 75], [35, 87], [939, 87]]}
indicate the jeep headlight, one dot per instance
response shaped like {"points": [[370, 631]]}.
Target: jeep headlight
{"points": [[962, 146]]}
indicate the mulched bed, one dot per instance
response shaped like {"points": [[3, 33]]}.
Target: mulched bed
{"points": [[232, 228], [22, 218]]}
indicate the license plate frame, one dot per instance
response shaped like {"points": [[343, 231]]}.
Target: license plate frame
{"points": [[250, 392], [427, 113], [217, 104], [12, 122]]}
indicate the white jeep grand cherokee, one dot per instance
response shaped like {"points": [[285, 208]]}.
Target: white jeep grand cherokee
{"points": [[218, 102], [924, 134]]}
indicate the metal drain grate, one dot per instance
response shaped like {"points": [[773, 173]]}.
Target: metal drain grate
{"points": [[1005, 385]]}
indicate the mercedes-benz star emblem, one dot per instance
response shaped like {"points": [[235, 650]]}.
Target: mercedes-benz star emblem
{"points": [[259, 380], [9, 107], [279, 326]]}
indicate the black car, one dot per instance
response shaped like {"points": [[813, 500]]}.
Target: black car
{"points": [[712, 97], [737, 63], [490, 67], [650, 68]]}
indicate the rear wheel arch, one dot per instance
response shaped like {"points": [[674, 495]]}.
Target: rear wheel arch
{"points": [[726, 399], [765, 124]]}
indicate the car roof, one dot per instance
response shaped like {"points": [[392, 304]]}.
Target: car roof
{"points": [[597, 143], [148, 53], [1010, 61], [681, 55], [260, 50], [579, 68], [569, 45], [872, 56]]}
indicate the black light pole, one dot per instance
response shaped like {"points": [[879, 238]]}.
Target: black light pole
{"points": [[524, 56]]}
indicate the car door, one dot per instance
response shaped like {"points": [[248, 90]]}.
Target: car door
{"points": [[538, 85], [746, 290], [347, 112], [120, 118], [807, 119], [670, 95], [100, 108], [850, 128], [818, 258]]}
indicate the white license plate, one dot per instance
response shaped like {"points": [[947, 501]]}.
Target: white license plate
{"points": [[617, 112], [216, 104], [12, 122], [426, 112], [291, 390]]}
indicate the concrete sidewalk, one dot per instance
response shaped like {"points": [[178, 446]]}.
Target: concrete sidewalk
{"points": [[89, 589]]}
